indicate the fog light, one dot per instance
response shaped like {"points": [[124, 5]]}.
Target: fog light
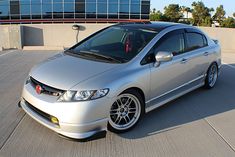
{"points": [[54, 120]]}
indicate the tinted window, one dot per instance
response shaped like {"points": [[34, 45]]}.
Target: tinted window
{"points": [[195, 41], [122, 43], [173, 43]]}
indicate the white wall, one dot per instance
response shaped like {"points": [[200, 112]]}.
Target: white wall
{"points": [[62, 35], [226, 36], [57, 34]]}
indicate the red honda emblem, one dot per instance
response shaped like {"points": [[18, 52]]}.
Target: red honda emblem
{"points": [[38, 89]]}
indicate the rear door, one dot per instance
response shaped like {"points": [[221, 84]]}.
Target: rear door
{"points": [[197, 51]]}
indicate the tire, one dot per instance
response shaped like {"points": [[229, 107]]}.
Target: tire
{"points": [[126, 111], [211, 77]]}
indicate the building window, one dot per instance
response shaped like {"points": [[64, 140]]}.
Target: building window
{"points": [[57, 9], [69, 8], [145, 9], [73, 9], [4, 10], [25, 9], [80, 8], [102, 8], [15, 9], [113, 9], [91, 9], [36, 9], [124, 10], [47, 9]]}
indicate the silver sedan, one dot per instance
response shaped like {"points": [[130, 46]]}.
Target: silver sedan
{"points": [[111, 79]]}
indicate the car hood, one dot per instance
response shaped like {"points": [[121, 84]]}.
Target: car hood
{"points": [[64, 71]]}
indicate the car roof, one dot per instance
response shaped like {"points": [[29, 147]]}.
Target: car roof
{"points": [[156, 26]]}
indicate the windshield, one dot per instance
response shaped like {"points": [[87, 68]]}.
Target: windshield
{"points": [[115, 44]]}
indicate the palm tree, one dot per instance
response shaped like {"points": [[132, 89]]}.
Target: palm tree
{"points": [[154, 10]]}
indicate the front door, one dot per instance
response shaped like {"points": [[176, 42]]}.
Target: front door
{"points": [[169, 76]]}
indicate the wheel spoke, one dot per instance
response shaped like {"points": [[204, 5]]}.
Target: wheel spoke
{"points": [[125, 119], [114, 110], [116, 120], [111, 114], [212, 76], [119, 104], [127, 101], [213, 70], [121, 100], [127, 116], [120, 118]]}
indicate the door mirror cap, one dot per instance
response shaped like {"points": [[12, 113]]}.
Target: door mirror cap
{"points": [[162, 56]]}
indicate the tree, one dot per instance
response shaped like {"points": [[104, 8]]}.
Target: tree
{"points": [[207, 22], [201, 14], [219, 14], [228, 22], [154, 10], [234, 15], [172, 12], [157, 16]]}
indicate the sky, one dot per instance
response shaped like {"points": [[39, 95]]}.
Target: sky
{"points": [[229, 5]]}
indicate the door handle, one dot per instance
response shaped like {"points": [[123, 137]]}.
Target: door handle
{"points": [[206, 54], [184, 60]]}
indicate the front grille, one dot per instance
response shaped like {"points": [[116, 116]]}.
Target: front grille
{"points": [[46, 89], [39, 112]]}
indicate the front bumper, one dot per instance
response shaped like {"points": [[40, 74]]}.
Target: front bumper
{"points": [[77, 120]]}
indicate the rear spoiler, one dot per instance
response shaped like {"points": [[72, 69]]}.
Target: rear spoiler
{"points": [[216, 41]]}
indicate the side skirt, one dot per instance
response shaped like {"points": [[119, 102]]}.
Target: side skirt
{"points": [[153, 104]]}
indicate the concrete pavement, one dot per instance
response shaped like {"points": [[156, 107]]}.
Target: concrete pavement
{"points": [[200, 123]]}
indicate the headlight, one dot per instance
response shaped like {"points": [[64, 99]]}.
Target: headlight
{"points": [[83, 95]]}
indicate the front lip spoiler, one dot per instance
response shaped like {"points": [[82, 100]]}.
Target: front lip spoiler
{"points": [[96, 136], [83, 137]]}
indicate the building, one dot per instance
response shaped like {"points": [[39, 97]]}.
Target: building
{"points": [[61, 11], [187, 15]]}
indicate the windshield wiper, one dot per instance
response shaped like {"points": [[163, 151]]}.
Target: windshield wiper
{"points": [[71, 51], [109, 58]]}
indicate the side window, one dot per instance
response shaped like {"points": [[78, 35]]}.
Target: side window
{"points": [[195, 41], [173, 43], [205, 41]]}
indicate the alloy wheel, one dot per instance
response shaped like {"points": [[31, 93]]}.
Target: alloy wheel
{"points": [[125, 112], [213, 74]]}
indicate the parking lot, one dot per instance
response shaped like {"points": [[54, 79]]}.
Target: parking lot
{"points": [[199, 124]]}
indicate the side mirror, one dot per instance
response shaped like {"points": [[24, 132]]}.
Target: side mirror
{"points": [[162, 56]]}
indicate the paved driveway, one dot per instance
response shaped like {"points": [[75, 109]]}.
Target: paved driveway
{"points": [[200, 124]]}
